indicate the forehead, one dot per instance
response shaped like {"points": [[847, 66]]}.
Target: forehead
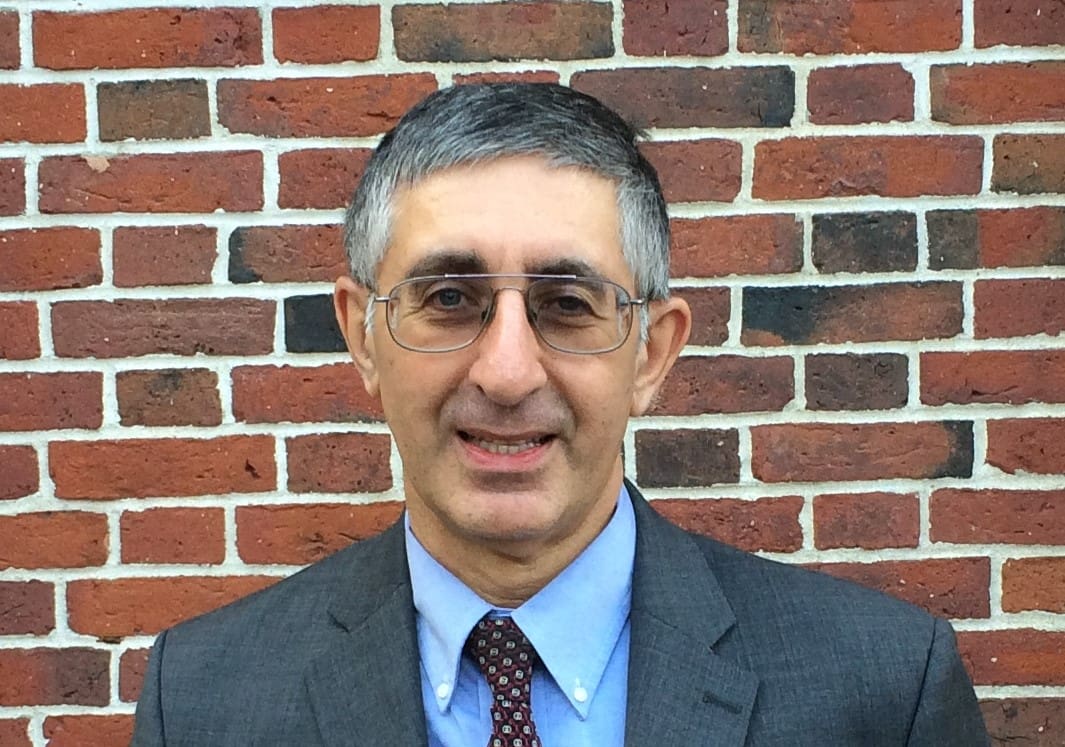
{"points": [[507, 215]]}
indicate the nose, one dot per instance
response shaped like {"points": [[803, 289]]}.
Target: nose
{"points": [[508, 365]]}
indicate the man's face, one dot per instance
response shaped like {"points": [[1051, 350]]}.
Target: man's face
{"points": [[506, 444]]}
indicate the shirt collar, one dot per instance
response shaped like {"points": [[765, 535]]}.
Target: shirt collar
{"points": [[574, 622]]}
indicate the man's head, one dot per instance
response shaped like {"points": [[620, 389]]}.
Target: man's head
{"points": [[510, 431]]}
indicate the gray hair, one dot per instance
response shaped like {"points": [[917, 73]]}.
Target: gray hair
{"points": [[470, 124]]}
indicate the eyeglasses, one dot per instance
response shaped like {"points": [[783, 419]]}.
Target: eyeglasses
{"points": [[572, 314]]}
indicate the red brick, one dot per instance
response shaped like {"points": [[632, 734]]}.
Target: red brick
{"points": [[330, 393], [860, 94], [726, 384], [339, 463], [322, 178], [320, 107], [687, 457], [998, 92], [697, 170], [116, 608], [12, 186], [26, 608], [1025, 722], [1021, 237], [18, 464], [679, 27], [278, 254], [1030, 164], [131, 669], [44, 113], [819, 452], [849, 26], [503, 31], [18, 331], [152, 183], [173, 535], [88, 730], [139, 468], [14, 732], [9, 51], [211, 326], [301, 534], [151, 255], [764, 524], [1015, 308], [172, 396], [46, 401], [735, 245], [947, 587], [1023, 23], [805, 168], [1034, 445], [521, 76], [871, 521], [326, 33], [1020, 656], [1015, 517], [711, 309], [148, 38], [1033, 584], [49, 676], [49, 258], [53, 539], [1009, 376], [852, 381], [153, 109], [695, 96]]}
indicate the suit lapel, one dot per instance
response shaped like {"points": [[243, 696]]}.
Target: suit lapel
{"points": [[681, 691], [365, 685]]}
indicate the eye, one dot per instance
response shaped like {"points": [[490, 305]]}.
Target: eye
{"points": [[445, 298]]}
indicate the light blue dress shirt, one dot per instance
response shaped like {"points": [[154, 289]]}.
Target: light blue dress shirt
{"points": [[578, 623]]}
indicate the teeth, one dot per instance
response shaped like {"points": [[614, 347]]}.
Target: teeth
{"points": [[501, 448]]}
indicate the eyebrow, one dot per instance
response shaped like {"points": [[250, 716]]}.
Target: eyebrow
{"points": [[461, 262]]}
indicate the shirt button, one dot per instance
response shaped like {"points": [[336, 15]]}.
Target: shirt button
{"points": [[580, 694], [443, 690]]}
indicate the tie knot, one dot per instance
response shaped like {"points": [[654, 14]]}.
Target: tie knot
{"points": [[501, 649]]}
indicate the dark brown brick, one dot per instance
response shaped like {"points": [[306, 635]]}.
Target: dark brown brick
{"points": [[43, 113], [946, 587], [148, 38], [173, 535], [170, 396], [697, 170], [1035, 445], [687, 458], [726, 384], [1030, 164], [1033, 584], [52, 676], [735, 245], [1017, 656], [47, 401], [26, 608], [152, 183], [131, 669], [88, 730], [1000, 92], [761, 525], [53, 539], [323, 34], [320, 107], [12, 186], [851, 313], [322, 178], [865, 242], [339, 463], [852, 381], [679, 27], [153, 109], [275, 254], [18, 465], [120, 329], [49, 258], [871, 521], [1023, 23], [1012, 237], [711, 309], [296, 535], [1015, 517], [1025, 722], [1010, 376], [695, 96], [150, 255], [849, 26], [481, 32], [330, 393], [818, 452], [9, 40], [311, 326], [860, 94], [1016, 308], [19, 339]]}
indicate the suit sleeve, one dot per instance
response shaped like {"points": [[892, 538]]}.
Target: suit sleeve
{"points": [[948, 714], [148, 729]]}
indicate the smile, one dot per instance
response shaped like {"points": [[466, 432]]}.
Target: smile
{"points": [[503, 447]]}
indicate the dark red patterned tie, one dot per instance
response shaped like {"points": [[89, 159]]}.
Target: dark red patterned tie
{"points": [[506, 659]]}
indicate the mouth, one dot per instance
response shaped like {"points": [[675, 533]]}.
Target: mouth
{"points": [[507, 446]]}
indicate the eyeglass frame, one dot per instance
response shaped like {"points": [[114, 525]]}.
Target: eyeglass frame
{"points": [[489, 313]]}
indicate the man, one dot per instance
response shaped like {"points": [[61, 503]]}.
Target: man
{"points": [[509, 305]]}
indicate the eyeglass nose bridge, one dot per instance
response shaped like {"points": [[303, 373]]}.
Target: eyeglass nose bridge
{"points": [[490, 311]]}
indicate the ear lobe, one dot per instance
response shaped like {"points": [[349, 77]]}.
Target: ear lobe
{"points": [[350, 302], [667, 332]]}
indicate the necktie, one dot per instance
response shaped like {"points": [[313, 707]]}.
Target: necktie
{"points": [[506, 659]]}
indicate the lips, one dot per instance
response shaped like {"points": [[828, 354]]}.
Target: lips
{"points": [[509, 446]]}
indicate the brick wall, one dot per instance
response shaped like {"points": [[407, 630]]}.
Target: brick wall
{"points": [[869, 207]]}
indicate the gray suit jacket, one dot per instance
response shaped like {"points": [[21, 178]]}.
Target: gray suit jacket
{"points": [[726, 649]]}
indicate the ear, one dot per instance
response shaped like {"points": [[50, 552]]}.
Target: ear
{"points": [[668, 327], [350, 302]]}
